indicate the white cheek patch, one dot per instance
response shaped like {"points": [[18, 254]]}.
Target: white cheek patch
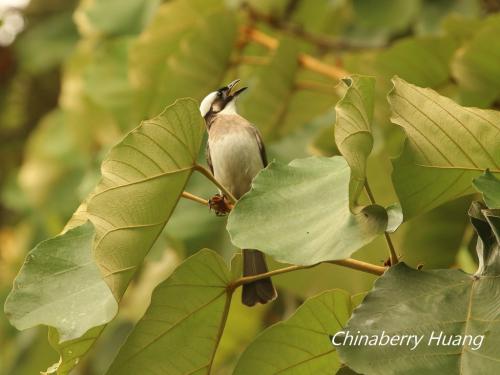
{"points": [[206, 103]]}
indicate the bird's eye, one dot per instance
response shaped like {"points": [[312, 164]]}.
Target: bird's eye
{"points": [[219, 94]]}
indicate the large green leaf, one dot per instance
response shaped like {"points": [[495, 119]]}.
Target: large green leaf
{"points": [[447, 146], [185, 51], [142, 180], [475, 66], [489, 185], [299, 213], [184, 323], [353, 128], [58, 286], [447, 302], [300, 344]]}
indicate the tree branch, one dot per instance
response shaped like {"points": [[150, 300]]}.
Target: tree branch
{"points": [[194, 198], [204, 171], [306, 61], [392, 251], [349, 263]]}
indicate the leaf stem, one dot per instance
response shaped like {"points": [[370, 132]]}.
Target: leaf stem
{"points": [[194, 198], [349, 263], [305, 60], [204, 171], [392, 251]]}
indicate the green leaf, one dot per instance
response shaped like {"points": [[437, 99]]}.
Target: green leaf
{"points": [[300, 344], [183, 325], [450, 302], [447, 146], [354, 115], [268, 99], [376, 20], [275, 101], [110, 17], [475, 65], [58, 286], [142, 180], [184, 51], [489, 186], [307, 204], [434, 238], [47, 43]]}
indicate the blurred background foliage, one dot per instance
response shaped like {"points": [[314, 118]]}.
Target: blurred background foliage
{"points": [[83, 73]]}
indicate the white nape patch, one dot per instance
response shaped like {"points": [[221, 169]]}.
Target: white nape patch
{"points": [[206, 103], [230, 108]]}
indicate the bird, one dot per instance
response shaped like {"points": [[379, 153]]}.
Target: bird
{"points": [[235, 153]]}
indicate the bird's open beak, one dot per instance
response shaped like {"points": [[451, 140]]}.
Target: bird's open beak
{"points": [[230, 87]]}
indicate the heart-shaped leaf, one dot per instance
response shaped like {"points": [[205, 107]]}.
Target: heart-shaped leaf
{"points": [[59, 285], [455, 316], [142, 180], [183, 325], [447, 146], [299, 213], [300, 344]]}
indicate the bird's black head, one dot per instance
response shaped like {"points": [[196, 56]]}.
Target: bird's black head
{"points": [[221, 99]]}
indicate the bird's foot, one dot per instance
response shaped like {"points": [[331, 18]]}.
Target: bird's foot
{"points": [[220, 204]]}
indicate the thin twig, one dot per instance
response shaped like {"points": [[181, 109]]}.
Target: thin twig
{"points": [[194, 198], [305, 60], [315, 86], [392, 251], [349, 263], [204, 171]]}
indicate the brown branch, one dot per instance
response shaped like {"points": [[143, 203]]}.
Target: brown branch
{"points": [[194, 198], [204, 171], [306, 61], [349, 263], [315, 86], [392, 251]]}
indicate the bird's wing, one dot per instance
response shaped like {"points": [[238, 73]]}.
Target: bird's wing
{"points": [[209, 159], [260, 143]]}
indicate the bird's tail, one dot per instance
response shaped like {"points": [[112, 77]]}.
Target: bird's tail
{"points": [[261, 291]]}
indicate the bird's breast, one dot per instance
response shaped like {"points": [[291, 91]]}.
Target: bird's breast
{"points": [[235, 159]]}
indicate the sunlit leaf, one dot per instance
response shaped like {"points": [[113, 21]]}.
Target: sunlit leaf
{"points": [[447, 302], [447, 146], [354, 114], [59, 285], [489, 185], [307, 203], [183, 325], [300, 344], [142, 180]]}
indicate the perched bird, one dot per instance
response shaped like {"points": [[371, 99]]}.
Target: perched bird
{"points": [[235, 154]]}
